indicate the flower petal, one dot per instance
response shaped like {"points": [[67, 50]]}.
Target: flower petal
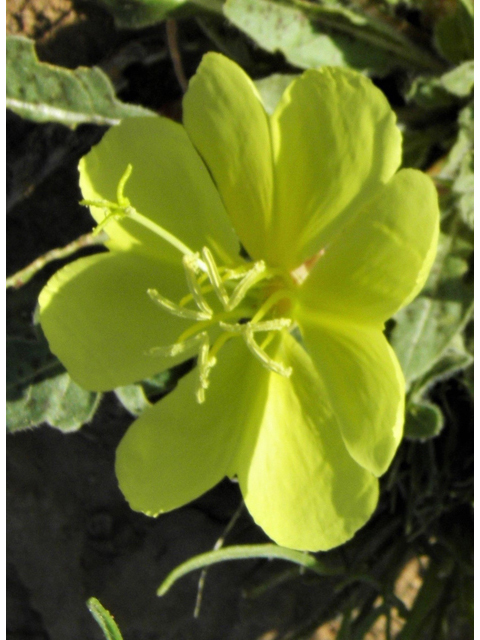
{"points": [[179, 449], [334, 142], [364, 383], [169, 185], [226, 121], [381, 259], [100, 322], [299, 482]]}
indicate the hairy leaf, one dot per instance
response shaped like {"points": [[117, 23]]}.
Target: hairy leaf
{"points": [[427, 326], [46, 93], [311, 35], [423, 420], [40, 390]]}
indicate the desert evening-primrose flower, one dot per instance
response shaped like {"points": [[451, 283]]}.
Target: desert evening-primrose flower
{"points": [[296, 390]]}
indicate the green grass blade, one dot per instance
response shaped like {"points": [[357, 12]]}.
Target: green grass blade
{"points": [[105, 621], [246, 552]]}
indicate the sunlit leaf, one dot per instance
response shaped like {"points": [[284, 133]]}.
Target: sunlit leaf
{"points": [[426, 327], [311, 35], [45, 93], [40, 390]]}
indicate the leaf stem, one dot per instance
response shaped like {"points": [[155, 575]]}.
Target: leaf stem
{"points": [[23, 276], [173, 48]]}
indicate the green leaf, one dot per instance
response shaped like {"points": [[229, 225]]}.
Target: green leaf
{"points": [[104, 619], [138, 397], [427, 326], [463, 145], [133, 398], [417, 142], [246, 552], [311, 35], [136, 14], [423, 420], [459, 81], [39, 390], [433, 92], [454, 32], [458, 170], [45, 93], [456, 358]]}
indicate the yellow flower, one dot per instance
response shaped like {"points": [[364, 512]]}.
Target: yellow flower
{"points": [[297, 391]]}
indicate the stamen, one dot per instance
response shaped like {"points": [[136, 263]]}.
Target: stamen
{"points": [[271, 302], [121, 199], [218, 344], [159, 231], [176, 309], [267, 341], [269, 325], [205, 365], [175, 349], [256, 273], [123, 208], [186, 299], [191, 269], [215, 277], [263, 357]]}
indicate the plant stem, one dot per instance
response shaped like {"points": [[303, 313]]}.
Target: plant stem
{"points": [[27, 273], [172, 41]]}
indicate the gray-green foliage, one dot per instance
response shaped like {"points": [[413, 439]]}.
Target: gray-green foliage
{"points": [[443, 91], [40, 390], [427, 326], [428, 333], [271, 89], [311, 34], [46, 93], [458, 169], [138, 397]]}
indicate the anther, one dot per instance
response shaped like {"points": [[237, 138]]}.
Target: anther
{"points": [[214, 277], [269, 325], [205, 365], [176, 309], [256, 273], [190, 264], [175, 349], [263, 357]]}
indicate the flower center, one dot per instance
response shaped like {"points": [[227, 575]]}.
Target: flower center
{"points": [[242, 302]]}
